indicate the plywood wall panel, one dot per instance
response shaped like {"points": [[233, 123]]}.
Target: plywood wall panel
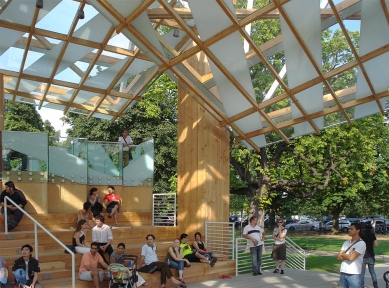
{"points": [[203, 155]]}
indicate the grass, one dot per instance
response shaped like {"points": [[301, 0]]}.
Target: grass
{"points": [[326, 264], [333, 243]]}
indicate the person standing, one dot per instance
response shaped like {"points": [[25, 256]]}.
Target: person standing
{"points": [[18, 197], [126, 140], [102, 235], [150, 258], [368, 259], [279, 249], [88, 270], [26, 268], [373, 224], [255, 234], [112, 202], [351, 255]]}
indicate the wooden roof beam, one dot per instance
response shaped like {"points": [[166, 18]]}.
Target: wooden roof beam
{"points": [[149, 78], [135, 14], [269, 66], [61, 54], [113, 82], [311, 59], [355, 53], [385, 8], [26, 49], [89, 69], [318, 114]]}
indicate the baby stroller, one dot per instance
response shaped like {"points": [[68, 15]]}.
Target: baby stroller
{"points": [[123, 274], [386, 278]]}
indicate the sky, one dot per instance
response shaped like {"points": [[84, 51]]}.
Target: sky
{"points": [[120, 40]]}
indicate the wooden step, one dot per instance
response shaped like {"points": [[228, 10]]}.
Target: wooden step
{"points": [[67, 283], [196, 273], [11, 250], [68, 220]]}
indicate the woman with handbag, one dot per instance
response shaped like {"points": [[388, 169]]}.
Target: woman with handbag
{"points": [[279, 248]]}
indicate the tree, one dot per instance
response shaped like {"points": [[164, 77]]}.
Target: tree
{"points": [[20, 116], [155, 117]]}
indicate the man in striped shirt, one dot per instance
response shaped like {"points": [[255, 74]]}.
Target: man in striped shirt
{"points": [[255, 235]]}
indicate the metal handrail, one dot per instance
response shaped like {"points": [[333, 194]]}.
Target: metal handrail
{"points": [[36, 223], [296, 259]]}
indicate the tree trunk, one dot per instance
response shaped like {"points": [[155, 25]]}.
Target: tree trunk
{"points": [[335, 223]]}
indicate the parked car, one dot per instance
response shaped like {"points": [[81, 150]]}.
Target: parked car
{"points": [[238, 220], [303, 225], [344, 225]]}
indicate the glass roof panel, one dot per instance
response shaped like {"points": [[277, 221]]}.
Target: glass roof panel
{"points": [[11, 59], [60, 18]]}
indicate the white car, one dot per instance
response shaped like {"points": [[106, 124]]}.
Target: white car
{"points": [[303, 225]]}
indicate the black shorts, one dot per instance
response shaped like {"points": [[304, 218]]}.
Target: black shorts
{"points": [[192, 257]]}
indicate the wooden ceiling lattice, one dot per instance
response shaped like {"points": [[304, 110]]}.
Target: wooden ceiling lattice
{"points": [[58, 69]]}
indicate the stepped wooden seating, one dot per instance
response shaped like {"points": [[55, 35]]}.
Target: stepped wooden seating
{"points": [[56, 265]]}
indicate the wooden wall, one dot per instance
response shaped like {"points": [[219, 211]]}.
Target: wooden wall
{"points": [[68, 197], [203, 166]]}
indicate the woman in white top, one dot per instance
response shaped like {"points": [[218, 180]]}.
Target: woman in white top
{"points": [[279, 248], [126, 140]]}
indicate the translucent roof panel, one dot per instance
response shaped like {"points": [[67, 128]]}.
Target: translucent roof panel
{"points": [[272, 71]]}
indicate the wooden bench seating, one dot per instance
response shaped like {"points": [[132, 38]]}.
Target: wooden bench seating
{"points": [[56, 265]]}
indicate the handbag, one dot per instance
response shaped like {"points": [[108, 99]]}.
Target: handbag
{"points": [[72, 248]]}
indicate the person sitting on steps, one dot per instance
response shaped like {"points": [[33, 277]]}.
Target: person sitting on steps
{"points": [[86, 214], [194, 256], [112, 202], [94, 200], [18, 197], [150, 258]]}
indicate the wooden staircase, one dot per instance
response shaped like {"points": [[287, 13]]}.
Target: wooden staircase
{"points": [[56, 265]]}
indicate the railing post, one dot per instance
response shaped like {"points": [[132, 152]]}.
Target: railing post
{"points": [[36, 241], [5, 215], [36, 224]]}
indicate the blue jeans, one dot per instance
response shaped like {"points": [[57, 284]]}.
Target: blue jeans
{"points": [[179, 265], [370, 264], [256, 254], [350, 280]]}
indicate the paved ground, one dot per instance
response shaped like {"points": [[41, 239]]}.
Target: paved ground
{"points": [[292, 279]]}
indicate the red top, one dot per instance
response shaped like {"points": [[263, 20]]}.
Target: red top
{"points": [[112, 197]]}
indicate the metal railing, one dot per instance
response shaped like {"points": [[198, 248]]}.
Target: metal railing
{"points": [[296, 257], [36, 223], [220, 238], [164, 209]]}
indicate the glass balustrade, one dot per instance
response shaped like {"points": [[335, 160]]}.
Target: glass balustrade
{"points": [[25, 156], [68, 160], [37, 157]]}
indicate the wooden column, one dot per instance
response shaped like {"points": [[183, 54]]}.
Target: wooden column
{"points": [[203, 166]]}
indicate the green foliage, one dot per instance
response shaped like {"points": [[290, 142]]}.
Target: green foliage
{"points": [[20, 116], [154, 117]]}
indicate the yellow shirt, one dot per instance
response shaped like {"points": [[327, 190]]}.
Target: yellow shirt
{"points": [[185, 249]]}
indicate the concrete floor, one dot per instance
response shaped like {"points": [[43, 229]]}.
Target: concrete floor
{"points": [[291, 279]]}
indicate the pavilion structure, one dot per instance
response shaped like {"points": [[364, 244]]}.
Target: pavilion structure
{"points": [[49, 57]]}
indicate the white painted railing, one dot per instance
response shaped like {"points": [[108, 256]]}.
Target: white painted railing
{"points": [[296, 257], [220, 238], [164, 209], [36, 223]]}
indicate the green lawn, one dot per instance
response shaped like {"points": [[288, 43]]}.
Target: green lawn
{"points": [[325, 263], [333, 244]]}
